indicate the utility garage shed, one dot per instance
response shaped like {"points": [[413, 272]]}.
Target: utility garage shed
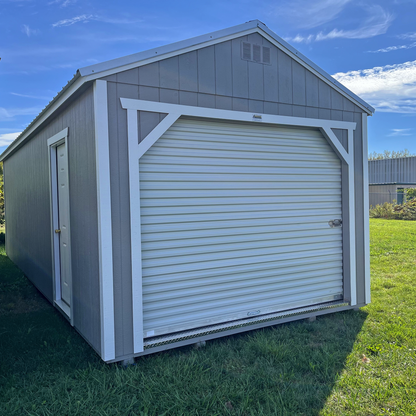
{"points": [[192, 191]]}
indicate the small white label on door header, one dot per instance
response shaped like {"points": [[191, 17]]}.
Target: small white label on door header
{"points": [[150, 333]]}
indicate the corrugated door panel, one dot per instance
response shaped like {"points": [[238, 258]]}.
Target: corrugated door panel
{"points": [[235, 223]]}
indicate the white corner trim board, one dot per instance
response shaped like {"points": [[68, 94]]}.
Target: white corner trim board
{"points": [[52, 143], [173, 111], [105, 244], [366, 213], [351, 211]]}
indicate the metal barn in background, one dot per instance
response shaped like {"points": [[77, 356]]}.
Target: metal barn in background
{"points": [[388, 178], [192, 191]]}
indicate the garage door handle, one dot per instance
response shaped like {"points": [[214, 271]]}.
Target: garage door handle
{"points": [[335, 223]]}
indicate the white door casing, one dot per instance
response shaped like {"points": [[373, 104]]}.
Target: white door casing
{"points": [[137, 150], [63, 217], [60, 222]]}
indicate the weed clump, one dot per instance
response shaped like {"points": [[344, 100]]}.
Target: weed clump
{"points": [[385, 211], [405, 211]]}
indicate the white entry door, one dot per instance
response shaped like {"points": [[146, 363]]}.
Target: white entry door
{"points": [[63, 219]]}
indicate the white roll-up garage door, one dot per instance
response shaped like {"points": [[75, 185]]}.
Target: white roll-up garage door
{"points": [[235, 223]]}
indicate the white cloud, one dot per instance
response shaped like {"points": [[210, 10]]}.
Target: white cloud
{"points": [[395, 48], [7, 138], [307, 14], [399, 132], [411, 36], [30, 96], [301, 39], [68, 2], [377, 23], [62, 3], [84, 18], [391, 88], [87, 18], [28, 31], [10, 113]]}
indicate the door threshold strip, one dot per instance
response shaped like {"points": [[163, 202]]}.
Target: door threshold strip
{"points": [[193, 333]]}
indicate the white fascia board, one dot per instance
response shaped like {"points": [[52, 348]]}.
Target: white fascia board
{"points": [[118, 64], [315, 69], [92, 72], [152, 55], [66, 93], [146, 59]]}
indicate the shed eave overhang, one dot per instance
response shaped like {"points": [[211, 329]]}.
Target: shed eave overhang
{"points": [[155, 54], [100, 70], [62, 96]]}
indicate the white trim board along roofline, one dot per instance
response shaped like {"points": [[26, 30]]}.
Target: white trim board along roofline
{"points": [[253, 26], [92, 72]]}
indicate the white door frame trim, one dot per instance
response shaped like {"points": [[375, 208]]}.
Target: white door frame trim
{"points": [[53, 143], [174, 111], [105, 236]]}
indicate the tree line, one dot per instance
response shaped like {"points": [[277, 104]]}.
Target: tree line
{"points": [[387, 154]]}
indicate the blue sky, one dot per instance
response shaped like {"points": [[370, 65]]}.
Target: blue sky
{"points": [[368, 46]]}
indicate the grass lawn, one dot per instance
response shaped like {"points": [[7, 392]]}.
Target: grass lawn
{"points": [[301, 368]]}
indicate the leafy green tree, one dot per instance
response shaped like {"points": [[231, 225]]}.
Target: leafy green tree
{"points": [[387, 154], [410, 194]]}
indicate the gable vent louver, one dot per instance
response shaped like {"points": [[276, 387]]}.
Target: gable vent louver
{"points": [[246, 51], [255, 53], [266, 55]]}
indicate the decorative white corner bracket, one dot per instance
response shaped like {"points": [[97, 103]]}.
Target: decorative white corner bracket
{"points": [[174, 111]]}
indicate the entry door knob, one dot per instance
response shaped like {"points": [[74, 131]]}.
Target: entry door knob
{"points": [[57, 231]]}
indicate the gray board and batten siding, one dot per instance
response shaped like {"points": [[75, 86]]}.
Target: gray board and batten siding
{"points": [[27, 205], [217, 77], [388, 171]]}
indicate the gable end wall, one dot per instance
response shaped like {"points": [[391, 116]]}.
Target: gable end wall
{"points": [[215, 77]]}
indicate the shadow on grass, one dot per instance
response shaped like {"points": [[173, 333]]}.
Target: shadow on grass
{"points": [[47, 368]]}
